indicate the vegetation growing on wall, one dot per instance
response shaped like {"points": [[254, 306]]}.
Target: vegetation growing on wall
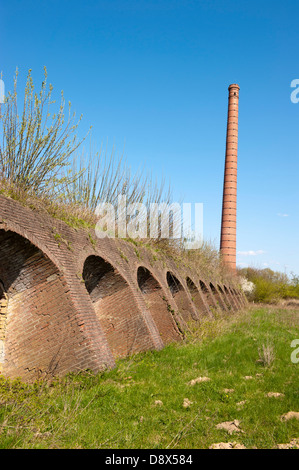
{"points": [[43, 166], [42, 162]]}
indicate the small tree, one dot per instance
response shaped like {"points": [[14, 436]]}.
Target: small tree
{"points": [[36, 144]]}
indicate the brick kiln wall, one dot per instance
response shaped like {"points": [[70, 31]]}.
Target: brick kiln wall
{"points": [[68, 303]]}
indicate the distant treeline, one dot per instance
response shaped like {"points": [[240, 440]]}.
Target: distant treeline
{"points": [[270, 286]]}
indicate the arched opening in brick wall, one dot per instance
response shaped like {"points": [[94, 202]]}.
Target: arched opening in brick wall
{"points": [[217, 296], [35, 311], [243, 299], [181, 299], [233, 302], [116, 307], [196, 297], [210, 299], [224, 297], [235, 296], [240, 297], [157, 304]]}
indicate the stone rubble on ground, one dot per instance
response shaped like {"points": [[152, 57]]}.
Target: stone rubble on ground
{"points": [[290, 415], [294, 444], [198, 380], [158, 403], [230, 426], [187, 403], [227, 445], [241, 403], [275, 394]]}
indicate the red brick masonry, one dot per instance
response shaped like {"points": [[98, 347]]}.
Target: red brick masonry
{"points": [[229, 204], [70, 302]]}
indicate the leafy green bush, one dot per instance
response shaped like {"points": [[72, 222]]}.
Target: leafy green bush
{"points": [[271, 286]]}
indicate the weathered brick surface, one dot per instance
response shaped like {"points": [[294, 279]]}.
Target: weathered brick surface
{"points": [[229, 202], [219, 298], [198, 298], [156, 301], [182, 298], [70, 301]]}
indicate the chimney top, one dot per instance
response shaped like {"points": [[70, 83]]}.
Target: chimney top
{"points": [[234, 85]]}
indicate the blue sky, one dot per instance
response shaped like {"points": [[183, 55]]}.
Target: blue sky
{"points": [[152, 76]]}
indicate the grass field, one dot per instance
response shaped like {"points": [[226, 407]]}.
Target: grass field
{"points": [[153, 400]]}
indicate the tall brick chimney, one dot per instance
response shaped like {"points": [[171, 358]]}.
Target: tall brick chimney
{"points": [[229, 203]]}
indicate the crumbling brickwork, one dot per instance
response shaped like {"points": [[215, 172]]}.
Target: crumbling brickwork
{"points": [[70, 302]]}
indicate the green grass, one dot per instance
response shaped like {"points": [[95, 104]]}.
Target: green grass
{"points": [[116, 409]]}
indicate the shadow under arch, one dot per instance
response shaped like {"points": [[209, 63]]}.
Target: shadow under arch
{"points": [[116, 308], [241, 297], [218, 297], [181, 299], [36, 303], [2, 292], [224, 297], [236, 297], [208, 295], [234, 303], [196, 297], [158, 306]]}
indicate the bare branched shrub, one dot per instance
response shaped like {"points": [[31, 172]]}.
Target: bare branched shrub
{"points": [[36, 144], [266, 355], [104, 177], [42, 167], [40, 163]]}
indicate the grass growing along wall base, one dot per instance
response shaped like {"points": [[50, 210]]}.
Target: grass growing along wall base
{"points": [[148, 400]]}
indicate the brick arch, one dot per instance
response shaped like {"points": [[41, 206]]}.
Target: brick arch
{"points": [[224, 297], [240, 298], [235, 296], [156, 302], [39, 242], [116, 307], [208, 294], [181, 298], [101, 278], [40, 336], [197, 297], [234, 304], [218, 297], [243, 299], [45, 277]]}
